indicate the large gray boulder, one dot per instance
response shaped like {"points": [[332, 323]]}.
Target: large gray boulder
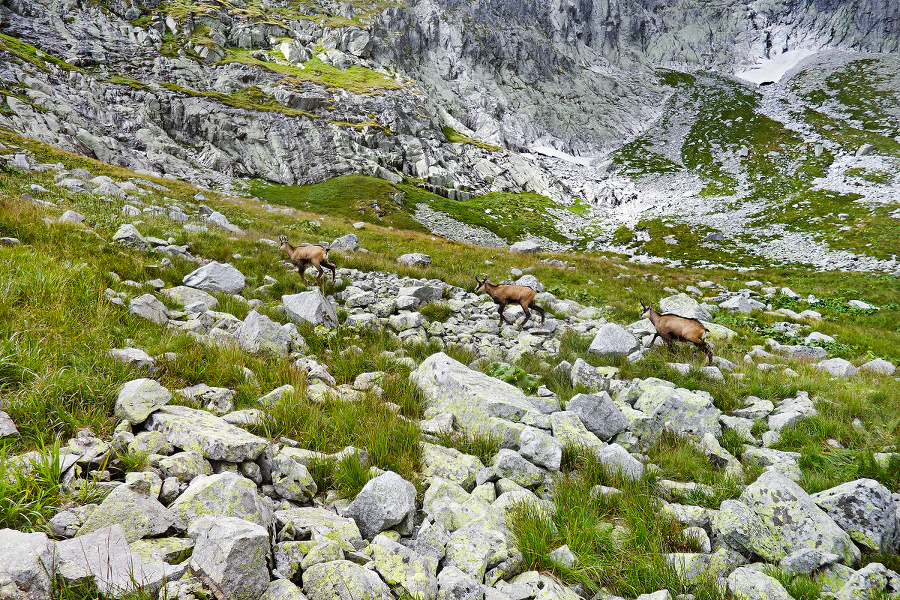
{"points": [[385, 502], [871, 582], [450, 464], [416, 575], [880, 366], [742, 304], [838, 367], [525, 247], [138, 398], [310, 307], [746, 583], [148, 306], [743, 530], [291, 478], [105, 557], [230, 554], [344, 580], [200, 431], [260, 334], [27, 565], [345, 243], [686, 411], [866, 510], [138, 514], [129, 234], [540, 448], [282, 589], [222, 495], [216, 277], [684, 306], [425, 293], [511, 465], [613, 340], [599, 414], [792, 515], [186, 296], [317, 524], [472, 397], [415, 259], [531, 281]]}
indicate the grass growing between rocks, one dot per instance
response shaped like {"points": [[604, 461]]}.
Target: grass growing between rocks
{"points": [[618, 539]]}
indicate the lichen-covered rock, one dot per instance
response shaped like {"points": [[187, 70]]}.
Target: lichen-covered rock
{"points": [[282, 589], [138, 398], [415, 259], [425, 293], [291, 478], [685, 411], [865, 509], [310, 307], [450, 464], [385, 502], [476, 547], [139, 515], [746, 583], [186, 296], [184, 466], [613, 340], [684, 306], [27, 565], [570, 431], [222, 495], [838, 367], [260, 334], [513, 466], [105, 557], [540, 448], [171, 550], [199, 431], [400, 566], [537, 585], [871, 582], [147, 306], [599, 414], [590, 377], [230, 555], [316, 524], [324, 550], [455, 585], [741, 529], [344, 580], [793, 517], [216, 277], [806, 561]]}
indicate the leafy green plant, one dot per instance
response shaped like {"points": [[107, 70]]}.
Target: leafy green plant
{"points": [[515, 375]]}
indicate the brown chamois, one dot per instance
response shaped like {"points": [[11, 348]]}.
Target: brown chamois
{"points": [[510, 294], [680, 329], [304, 256]]}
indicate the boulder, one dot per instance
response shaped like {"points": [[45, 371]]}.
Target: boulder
{"points": [[511, 465], [230, 555], [540, 448], [282, 589], [456, 585], [685, 411], [105, 557], [260, 334], [866, 510], [743, 530], [871, 582], [530, 281], [147, 306], [588, 376], [450, 464], [344, 580], [838, 367], [70, 216], [880, 366], [345, 243], [224, 494], [134, 357], [742, 304], [425, 293], [291, 478], [184, 466], [138, 398], [27, 565], [525, 247], [416, 575], [186, 296], [316, 524], [684, 306], [415, 259], [613, 340], [216, 277], [385, 502], [746, 583], [139, 515], [599, 414], [129, 234], [200, 431], [310, 307], [792, 516]]}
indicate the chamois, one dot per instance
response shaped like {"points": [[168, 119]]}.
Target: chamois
{"points": [[304, 256], [681, 329], [506, 294]]}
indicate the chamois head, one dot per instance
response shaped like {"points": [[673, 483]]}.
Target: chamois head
{"points": [[645, 313], [283, 239], [481, 283]]}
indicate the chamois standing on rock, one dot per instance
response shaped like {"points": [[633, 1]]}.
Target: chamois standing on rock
{"points": [[304, 256], [681, 329], [511, 294]]}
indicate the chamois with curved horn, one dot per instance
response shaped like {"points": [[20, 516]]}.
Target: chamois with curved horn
{"points": [[510, 294], [679, 329], [305, 256]]}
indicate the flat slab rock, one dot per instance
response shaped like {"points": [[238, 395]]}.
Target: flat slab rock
{"points": [[200, 431]]}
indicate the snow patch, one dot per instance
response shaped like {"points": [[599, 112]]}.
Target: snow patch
{"points": [[773, 69]]}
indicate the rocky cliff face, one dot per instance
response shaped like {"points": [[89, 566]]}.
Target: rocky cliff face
{"points": [[301, 94]]}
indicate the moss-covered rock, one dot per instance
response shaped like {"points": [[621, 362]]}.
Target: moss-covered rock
{"points": [[344, 580], [222, 495]]}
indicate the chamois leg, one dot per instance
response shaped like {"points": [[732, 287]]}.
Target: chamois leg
{"points": [[319, 276], [527, 316], [301, 270], [670, 345], [708, 350], [653, 339], [540, 311], [500, 312], [330, 266]]}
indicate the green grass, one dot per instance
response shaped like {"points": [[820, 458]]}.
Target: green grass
{"points": [[480, 444], [456, 137], [637, 159], [618, 540]]}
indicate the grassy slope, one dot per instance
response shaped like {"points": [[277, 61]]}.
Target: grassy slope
{"points": [[57, 377]]}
